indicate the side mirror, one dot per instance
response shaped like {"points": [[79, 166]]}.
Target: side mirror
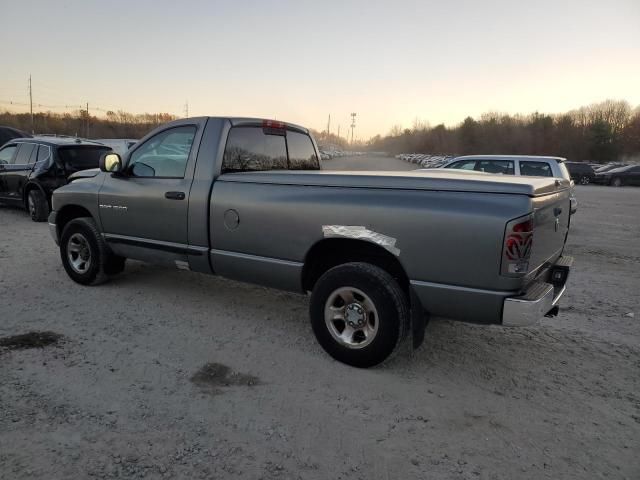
{"points": [[110, 162]]}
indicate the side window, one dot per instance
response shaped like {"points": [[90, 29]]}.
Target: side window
{"points": [[163, 155], [6, 154], [463, 165], [44, 152], [302, 155], [34, 155], [535, 169], [254, 149], [504, 167], [24, 153]]}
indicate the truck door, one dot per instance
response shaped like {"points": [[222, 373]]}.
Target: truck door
{"points": [[144, 209]]}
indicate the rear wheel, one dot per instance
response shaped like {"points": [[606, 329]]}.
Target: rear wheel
{"points": [[616, 182], [37, 205], [359, 314], [585, 180]]}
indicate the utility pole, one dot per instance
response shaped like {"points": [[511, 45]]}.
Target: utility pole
{"points": [[87, 135], [353, 125], [329, 126], [31, 104], [338, 131]]}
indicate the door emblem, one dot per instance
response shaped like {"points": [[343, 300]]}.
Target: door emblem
{"points": [[121, 208]]}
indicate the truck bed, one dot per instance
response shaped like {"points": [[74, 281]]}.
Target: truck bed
{"points": [[443, 180]]}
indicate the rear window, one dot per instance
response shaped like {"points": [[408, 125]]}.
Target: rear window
{"points": [[251, 149], [259, 149], [81, 157], [302, 155], [504, 167], [535, 169]]}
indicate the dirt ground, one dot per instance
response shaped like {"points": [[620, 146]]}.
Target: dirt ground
{"points": [[169, 374]]}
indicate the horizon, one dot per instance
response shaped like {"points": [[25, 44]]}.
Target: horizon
{"points": [[391, 65]]}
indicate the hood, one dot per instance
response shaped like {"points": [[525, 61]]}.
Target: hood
{"points": [[92, 172]]}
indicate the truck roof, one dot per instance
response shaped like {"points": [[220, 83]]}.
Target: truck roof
{"points": [[243, 122], [436, 179]]}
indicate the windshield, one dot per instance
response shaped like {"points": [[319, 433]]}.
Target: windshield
{"points": [[81, 157]]}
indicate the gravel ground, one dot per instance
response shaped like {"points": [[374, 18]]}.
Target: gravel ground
{"points": [[169, 374]]}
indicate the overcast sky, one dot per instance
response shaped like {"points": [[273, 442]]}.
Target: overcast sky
{"points": [[390, 62]]}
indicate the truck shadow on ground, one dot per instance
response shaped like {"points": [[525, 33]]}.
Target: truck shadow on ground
{"points": [[496, 357]]}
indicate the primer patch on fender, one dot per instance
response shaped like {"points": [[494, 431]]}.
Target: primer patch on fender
{"points": [[361, 233]]}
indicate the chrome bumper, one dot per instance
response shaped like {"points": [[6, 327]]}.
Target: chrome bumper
{"points": [[53, 228], [538, 300]]}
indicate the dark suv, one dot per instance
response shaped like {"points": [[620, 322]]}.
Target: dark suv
{"points": [[32, 168], [581, 172]]}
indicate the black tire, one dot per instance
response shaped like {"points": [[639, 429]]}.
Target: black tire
{"points": [[585, 180], [37, 205], [391, 305], [616, 182], [99, 261]]}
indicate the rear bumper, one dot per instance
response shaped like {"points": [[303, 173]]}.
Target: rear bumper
{"points": [[541, 297]]}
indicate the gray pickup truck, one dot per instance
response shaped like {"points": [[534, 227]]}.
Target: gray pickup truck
{"points": [[378, 251]]}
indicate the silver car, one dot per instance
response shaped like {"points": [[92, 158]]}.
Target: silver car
{"points": [[524, 165]]}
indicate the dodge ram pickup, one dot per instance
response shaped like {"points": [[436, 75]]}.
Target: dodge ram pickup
{"points": [[377, 251]]}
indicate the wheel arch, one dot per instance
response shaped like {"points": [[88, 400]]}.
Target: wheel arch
{"points": [[31, 185], [68, 213], [330, 252]]}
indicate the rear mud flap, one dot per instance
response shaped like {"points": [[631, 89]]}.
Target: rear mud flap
{"points": [[419, 320]]}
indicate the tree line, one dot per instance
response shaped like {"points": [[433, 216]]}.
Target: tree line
{"points": [[115, 124], [600, 132]]}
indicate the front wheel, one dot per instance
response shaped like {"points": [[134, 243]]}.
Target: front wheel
{"points": [[359, 314], [584, 180], [85, 255]]}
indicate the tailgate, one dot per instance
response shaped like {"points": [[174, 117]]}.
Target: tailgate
{"points": [[551, 224]]}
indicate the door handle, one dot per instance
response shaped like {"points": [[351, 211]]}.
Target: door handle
{"points": [[174, 195]]}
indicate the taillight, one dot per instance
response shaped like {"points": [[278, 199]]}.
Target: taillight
{"points": [[272, 127], [272, 124], [518, 240]]}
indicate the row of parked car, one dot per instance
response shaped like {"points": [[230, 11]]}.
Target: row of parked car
{"points": [[32, 167], [583, 173], [329, 153], [425, 160]]}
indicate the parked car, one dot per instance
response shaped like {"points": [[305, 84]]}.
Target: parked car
{"points": [[246, 199], [580, 172], [118, 145], [610, 166], [9, 133], [524, 165], [617, 177], [32, 168]]}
